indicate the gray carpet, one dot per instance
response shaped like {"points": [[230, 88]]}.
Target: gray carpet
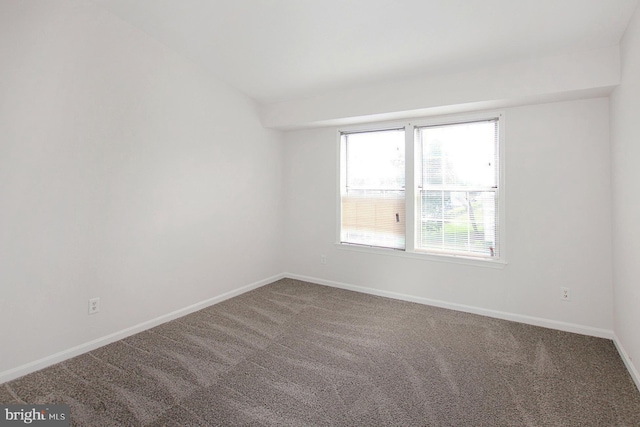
{"points": [[294, 354]]}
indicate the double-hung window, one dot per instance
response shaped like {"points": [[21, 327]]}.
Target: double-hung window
{"points": [[447, 175], [458, 188], [373, 193]]}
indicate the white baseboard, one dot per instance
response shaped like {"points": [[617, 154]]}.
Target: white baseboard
{"points": [[99, 342], [536, 321], [628, 362], [530, 320]]}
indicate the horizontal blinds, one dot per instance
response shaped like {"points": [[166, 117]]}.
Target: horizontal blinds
{"points": [[373, 188], [457, 209]]}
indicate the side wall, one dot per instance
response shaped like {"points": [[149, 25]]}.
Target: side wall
{"points": [[625, 142], [558, 225], [126, 173]]}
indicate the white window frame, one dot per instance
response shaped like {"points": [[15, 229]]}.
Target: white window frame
{"points": [[411, 190]]}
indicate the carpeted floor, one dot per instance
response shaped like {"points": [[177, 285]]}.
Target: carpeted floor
{"points": [[294, 354]]}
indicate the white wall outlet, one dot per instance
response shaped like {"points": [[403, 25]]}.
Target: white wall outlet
{"points": [[565, 294], [94, 305], [323, 259]]}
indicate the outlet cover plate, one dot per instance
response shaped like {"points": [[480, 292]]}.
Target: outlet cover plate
{"points": [[94, 305]]}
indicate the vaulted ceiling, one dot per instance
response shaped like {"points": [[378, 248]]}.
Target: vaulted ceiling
{"points": [[276, 50]]}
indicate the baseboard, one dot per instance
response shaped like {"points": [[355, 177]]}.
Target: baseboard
{"points": [[627, 361], [530, 320], [61, 356], [99, 342]]}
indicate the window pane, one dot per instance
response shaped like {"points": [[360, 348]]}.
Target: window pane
{"points": [[375, 160], [431, 219], [373, 196], [374, 218], [458, 221], [460, 154]]}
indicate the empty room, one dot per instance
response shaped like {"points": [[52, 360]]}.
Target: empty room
{"points": [[322, 213]]}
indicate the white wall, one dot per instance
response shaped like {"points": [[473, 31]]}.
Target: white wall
{"points": [[625, 142], [126, 173], [558, 223]]}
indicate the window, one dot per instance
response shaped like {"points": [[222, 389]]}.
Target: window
{"points": [[443, 178], [373, 196], [458, 188]]}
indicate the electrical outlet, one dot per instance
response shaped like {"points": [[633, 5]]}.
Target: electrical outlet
{"points": [[565, 294], [94, 305], [323, 259]]}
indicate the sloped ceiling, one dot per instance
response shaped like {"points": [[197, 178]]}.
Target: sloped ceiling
{"points": [[276, 50]]}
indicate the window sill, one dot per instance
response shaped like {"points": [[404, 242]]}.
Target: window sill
{"points": [[451, 259]]}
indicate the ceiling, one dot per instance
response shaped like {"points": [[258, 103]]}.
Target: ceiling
{"points": [[275, 50]]}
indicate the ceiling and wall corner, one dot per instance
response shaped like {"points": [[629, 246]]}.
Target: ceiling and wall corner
{"points": [[579, 75]]}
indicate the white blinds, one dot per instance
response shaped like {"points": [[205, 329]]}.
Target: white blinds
{"points": [[457, 205], [373, 188]]}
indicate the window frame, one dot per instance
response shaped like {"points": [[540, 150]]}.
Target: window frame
{"points": [[412, 193]]}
